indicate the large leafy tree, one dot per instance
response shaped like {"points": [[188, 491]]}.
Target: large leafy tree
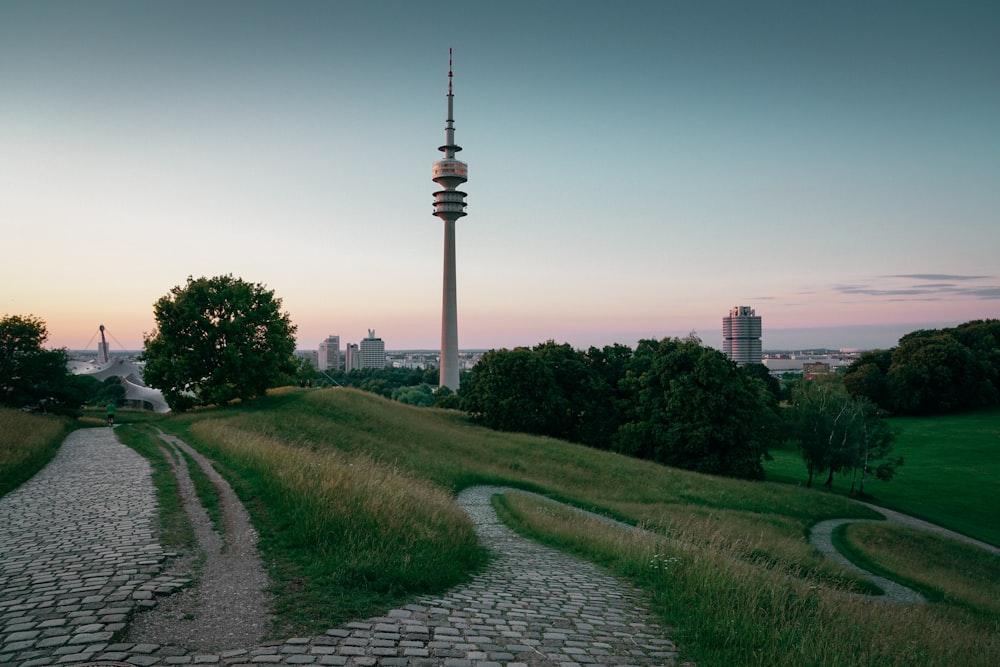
{"points": [[694, 408], [216, 340], [513, 390], [550, 389], [867, 376], [32, 376]]}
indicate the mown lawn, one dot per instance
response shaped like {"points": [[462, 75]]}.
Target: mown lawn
{"points": [[952, 464]]}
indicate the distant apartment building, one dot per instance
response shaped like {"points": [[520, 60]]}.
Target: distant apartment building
{"points": [[328, 358], [352, 358], [309, 355], [372, 351], [741, 335]]}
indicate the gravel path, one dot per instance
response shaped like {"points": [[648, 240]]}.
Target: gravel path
{"points": [[228, 607], [821, 537]]}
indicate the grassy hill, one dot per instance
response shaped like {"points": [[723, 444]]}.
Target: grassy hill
{"points": [[726, 562], [352, 493]]}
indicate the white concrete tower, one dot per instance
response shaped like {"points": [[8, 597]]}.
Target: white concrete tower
{"points": [[449, 205]]}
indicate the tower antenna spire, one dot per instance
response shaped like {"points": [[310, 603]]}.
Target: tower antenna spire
{"points": [[449, 205]]}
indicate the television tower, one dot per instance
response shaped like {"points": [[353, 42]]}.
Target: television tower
{"points": [[449, 205]]}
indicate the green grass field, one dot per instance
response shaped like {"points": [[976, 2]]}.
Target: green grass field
{"points": [[952, 464], [351, 495]]}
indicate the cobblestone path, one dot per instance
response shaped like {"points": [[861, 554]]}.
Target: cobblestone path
{"points": [[78, 557]]}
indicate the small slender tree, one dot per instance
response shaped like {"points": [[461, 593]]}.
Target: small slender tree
{"points": [[837, 432]]}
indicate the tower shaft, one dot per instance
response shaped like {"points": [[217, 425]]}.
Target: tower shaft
{"points": [[449, 313]]}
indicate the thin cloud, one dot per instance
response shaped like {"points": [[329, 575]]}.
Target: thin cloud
{"points": [[935, 276], [940, 286]]}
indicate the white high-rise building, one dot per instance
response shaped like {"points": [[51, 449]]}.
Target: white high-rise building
{"points": [[372, 351], [741, 335], [449, 205], [329, 354]]}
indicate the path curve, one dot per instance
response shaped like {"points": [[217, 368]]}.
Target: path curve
{"points": [[821, 537]]}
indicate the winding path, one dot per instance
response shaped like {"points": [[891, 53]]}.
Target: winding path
{"points": [[532, 606], [821, 537]]}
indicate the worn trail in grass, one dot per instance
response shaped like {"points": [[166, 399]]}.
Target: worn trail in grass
{"points": [[228, 607]]}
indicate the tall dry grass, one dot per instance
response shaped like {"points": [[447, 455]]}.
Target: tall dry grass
{"points": [[958, 573], [443, 447], [27, 443], [360, 527], [756, 588], [724, 610]]}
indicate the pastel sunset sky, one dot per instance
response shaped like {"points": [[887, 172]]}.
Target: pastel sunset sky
{"points": [[636, 169]]}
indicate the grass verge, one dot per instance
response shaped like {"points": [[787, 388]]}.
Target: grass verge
{"points": [[944, 570], [343, 536], [27, 443], [175, 530], [207, 494]]}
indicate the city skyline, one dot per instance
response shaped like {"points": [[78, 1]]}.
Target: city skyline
{"points": [[639, 169]]}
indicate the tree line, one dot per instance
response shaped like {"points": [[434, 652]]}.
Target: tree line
{"points": [[932, 371], [674, 401]]}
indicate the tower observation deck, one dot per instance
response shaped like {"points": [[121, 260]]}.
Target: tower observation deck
{"points": [[449, 205]]}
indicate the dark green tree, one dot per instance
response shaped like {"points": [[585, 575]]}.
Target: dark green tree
{"points": [[606, 396], [932, 372], [217, 340], [112, 390], [694, 408], [421, 395], [771, 383], [31, 376], [868, 376], [513, 390], [445, 398], [982, 337]]}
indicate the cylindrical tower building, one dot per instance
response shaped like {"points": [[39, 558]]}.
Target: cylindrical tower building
{"points": [[449, 205], [741, 335]]}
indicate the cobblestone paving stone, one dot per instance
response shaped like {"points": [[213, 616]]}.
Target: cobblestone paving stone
{"points": [[77, 552], [78, 557]]}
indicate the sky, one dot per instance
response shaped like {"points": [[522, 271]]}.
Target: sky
{"points": [[636, 169]]}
